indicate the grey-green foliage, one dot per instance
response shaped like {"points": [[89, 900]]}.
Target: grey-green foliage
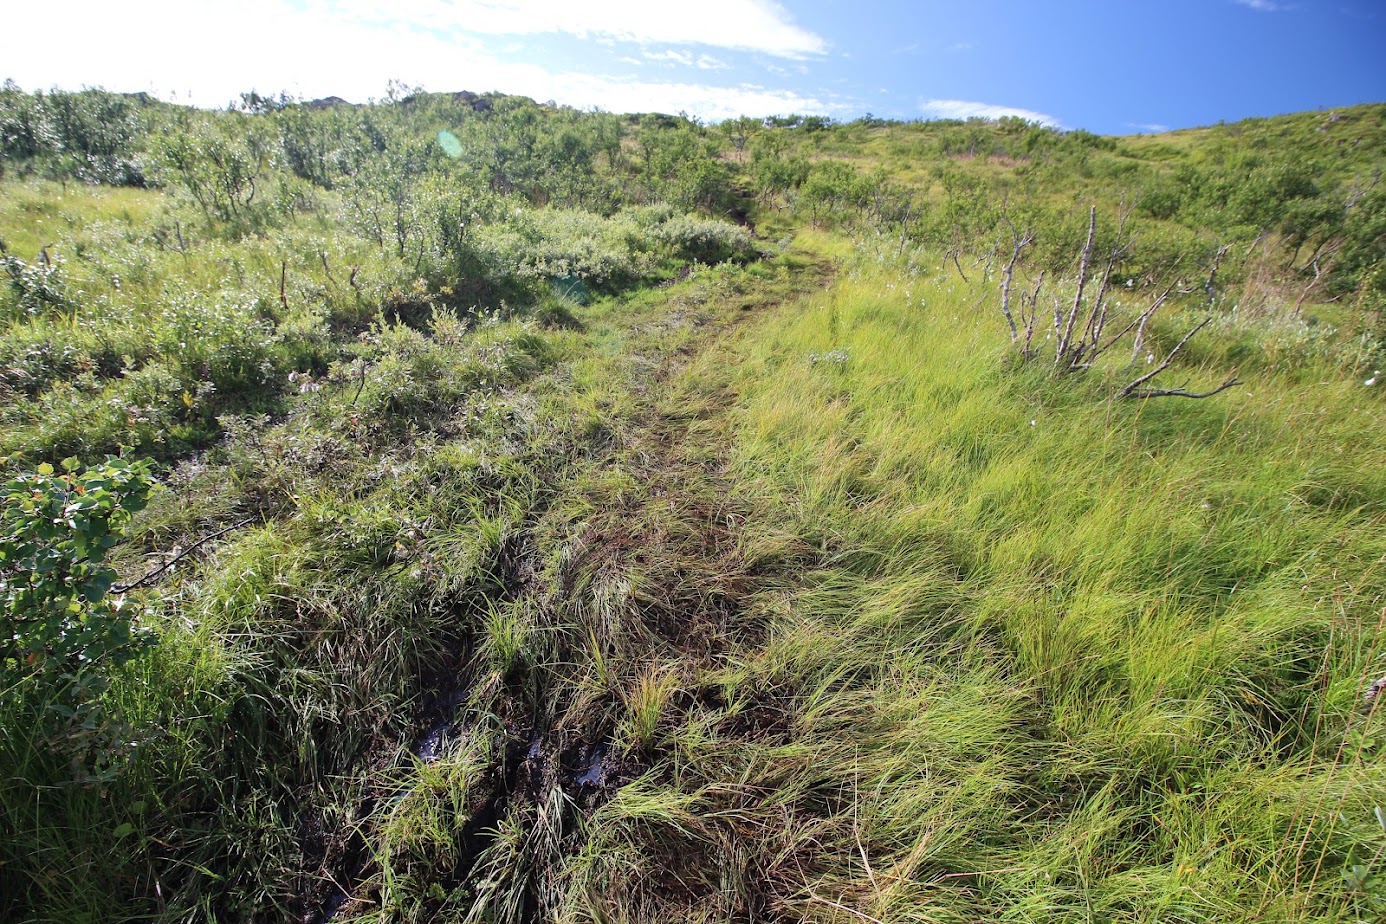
{"points": [[35, 288], [91, 136]]}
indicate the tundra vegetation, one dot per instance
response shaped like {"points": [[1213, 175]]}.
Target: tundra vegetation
{"points": [[456, 508]]}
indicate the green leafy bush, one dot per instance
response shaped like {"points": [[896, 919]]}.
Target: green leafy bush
{"points": [[55, 533], [35, 287]]}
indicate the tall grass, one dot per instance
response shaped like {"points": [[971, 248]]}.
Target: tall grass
{"points": [[1086, 659]]}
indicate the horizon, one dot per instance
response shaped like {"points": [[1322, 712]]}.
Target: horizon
{"points": [[1071, 70]]}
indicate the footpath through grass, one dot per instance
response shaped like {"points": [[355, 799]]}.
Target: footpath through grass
{"points": [[642, 615], [419, 643]]}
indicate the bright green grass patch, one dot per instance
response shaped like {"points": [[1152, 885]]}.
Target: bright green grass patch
{"points": [[1129, 642]]}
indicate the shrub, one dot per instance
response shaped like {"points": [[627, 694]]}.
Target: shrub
{"points": [[707, 240], [36, 287], [55, 533]]}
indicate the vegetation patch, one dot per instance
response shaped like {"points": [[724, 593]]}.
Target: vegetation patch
{"points": [[464, 509]]}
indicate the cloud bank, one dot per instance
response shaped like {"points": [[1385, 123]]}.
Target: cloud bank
{"points": [[743, 25], [319, 50], [967, 109]]}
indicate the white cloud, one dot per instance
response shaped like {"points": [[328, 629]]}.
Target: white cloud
{"points": [[744, 25], [1261, 6], [1152, 127], [163, 50], [671, 56], [961, 46], [707, 102], [966, 109]]}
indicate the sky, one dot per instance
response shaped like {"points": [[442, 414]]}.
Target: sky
{"points": [[1114, 67]]}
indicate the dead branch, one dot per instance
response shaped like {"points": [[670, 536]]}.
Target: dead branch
{"points": [[1019, 242], [1231, 381], [1090, 341], [1210, 287], [954, 254], [1328, 259], [1033, 300], [148, 578], [1138, 322], [1358, 190], [1083, 266], [1130, 390], [351, 281]]}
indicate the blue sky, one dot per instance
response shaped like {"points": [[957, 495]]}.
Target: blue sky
{"points": [[1116, 67]]}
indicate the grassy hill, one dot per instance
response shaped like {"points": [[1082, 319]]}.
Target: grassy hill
{"points": [[462, 509]]}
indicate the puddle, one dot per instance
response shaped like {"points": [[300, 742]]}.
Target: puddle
{"points": [[591, 771], [434, 742]]}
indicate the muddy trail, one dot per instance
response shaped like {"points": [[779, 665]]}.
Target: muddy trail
{"points": [[620, 590]]}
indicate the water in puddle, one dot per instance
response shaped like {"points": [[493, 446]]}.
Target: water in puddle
{"points": [[589, 772]]}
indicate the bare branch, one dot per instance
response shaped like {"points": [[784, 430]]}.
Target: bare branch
{"points": [[1033, 299], [1020, 242], [954, 254], [1210, 287], [148, 578], [1129, 390], [1083, 265], [1328, 259], [1138, 321], [1231, 381]]}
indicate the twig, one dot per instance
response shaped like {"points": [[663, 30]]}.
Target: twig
{"points": [[1328, 260], [1210, 287], [959, 266], [1033, 299], [283, 279], [123, 588], [1127, 391], [841, 907], [1019, 242], [1083, 264], [1091, 339], [361, 386], [1232, 380], [1140, 320]]}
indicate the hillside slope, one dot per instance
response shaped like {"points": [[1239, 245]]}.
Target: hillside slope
{"points": [[531, 515]]}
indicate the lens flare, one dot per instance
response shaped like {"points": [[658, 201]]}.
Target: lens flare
{"points": [[452, 145]]}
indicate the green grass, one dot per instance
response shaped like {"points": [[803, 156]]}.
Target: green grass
{"points": [[779, 590], [1114, 650]]}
